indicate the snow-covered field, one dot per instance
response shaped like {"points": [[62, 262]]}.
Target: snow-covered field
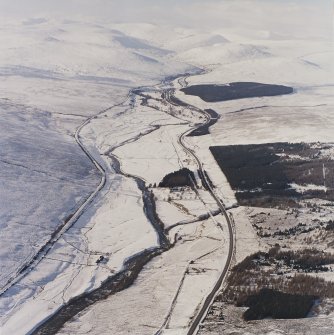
{"points": [[57, 73], [144, 307]]}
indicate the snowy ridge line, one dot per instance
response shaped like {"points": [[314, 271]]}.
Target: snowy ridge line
{"points": [[32, 263], [210, 298]]}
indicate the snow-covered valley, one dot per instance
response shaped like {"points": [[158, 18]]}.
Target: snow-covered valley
{"points": [[92, 119]]}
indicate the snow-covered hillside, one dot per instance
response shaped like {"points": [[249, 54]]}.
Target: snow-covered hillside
{"points": [[70, 129], [55, 75]]}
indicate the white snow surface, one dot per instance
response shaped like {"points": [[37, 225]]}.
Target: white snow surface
{"points": [[51, 83], [143, 307], [58, 73]]}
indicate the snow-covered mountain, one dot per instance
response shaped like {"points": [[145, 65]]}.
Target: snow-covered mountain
{"points": [[66, 83]]}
